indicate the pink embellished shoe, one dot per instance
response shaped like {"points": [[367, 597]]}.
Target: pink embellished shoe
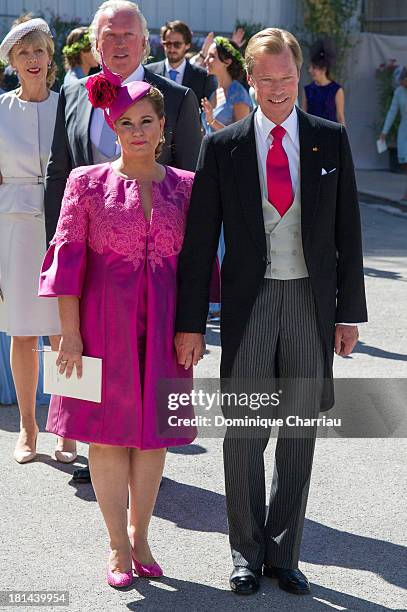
{"points": [[119, 580], [148, 571]]}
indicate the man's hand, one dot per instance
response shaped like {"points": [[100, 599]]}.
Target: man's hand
{"points": [[346, 337], [190, 348]]}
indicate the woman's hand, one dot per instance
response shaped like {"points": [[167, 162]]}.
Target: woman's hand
{"points": [[382, 137], [207, 43], [238, 37], [70, 354], [207, 109]]}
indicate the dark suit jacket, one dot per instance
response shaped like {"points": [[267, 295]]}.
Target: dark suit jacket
{"points": [[195, 77], [71, 145], [227, 189]]}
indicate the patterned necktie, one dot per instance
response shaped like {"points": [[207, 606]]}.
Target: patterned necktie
{"points": [[107, 142], [173, 74], [279, 186]]}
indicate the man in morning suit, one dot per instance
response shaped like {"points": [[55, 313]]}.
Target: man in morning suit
{"points": [[282, 183], [176, 38], [82, 136]]}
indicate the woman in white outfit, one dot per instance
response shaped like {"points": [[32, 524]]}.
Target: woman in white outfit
{"points": [[27, 117]]}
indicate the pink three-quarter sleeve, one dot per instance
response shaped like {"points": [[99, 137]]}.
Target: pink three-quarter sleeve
{"points": [[64, 265]]}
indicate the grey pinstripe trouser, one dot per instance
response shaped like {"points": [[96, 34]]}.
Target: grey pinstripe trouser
{"points": [[281, 339]]}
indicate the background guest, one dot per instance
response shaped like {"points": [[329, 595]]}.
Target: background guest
{"points": [[199, 58], [176, 38], [399, 105], [78, 56], [27, 117], [229, 103], [324, 97], [8, 395]]}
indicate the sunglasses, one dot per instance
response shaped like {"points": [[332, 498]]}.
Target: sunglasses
{"points": [[176, 45]]}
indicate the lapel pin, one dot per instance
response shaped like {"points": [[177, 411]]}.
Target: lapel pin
{"points": [[315, 148]]}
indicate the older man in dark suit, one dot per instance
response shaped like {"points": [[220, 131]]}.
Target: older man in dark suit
{"points": [[82, 136], [282, 183], [176, 38]]}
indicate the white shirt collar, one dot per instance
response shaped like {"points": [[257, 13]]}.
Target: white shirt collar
{"points": [[180, 69], [265, 125], [137, 75]]}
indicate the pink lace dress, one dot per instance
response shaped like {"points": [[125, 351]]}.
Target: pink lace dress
{"points": [[124, 269]]}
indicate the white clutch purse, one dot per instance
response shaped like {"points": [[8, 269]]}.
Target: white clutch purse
{"points": [[88, 388]]}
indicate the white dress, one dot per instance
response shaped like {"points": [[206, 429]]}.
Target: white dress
{"points": [[26, 131]]}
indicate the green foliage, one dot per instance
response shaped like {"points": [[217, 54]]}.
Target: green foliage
{"points": [[60, 30], [331, 19]]}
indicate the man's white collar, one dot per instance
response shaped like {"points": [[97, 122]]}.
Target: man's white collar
{"points": [[180, 68], [265, 125], [137, 75]]}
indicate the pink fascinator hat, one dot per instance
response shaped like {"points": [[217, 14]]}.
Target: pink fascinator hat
{"points": [[105, 90]]}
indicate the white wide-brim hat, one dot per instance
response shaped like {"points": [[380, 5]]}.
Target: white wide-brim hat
{"points": [[18, 32]]}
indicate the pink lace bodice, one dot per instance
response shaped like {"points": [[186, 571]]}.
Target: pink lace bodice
{"points": [[103, 209]]}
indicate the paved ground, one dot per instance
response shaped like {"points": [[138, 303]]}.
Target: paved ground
{"points": [[382, 185], [354, 538]]}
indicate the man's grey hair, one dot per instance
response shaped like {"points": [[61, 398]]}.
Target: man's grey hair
{"points": [[114, 6]]}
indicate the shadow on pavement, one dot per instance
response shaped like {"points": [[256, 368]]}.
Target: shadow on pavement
{"points": [[365, 349], [197, 509], [188, 449], [375, 273], [191, 507], [180, 595], [325, 546], [10, 421]]}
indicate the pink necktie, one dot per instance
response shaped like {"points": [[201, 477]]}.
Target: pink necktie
{"points": [[279, 186]]}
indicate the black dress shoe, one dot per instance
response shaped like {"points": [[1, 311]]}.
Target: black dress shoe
{"points": [[81, 475], [291, 580], [244, 581]]}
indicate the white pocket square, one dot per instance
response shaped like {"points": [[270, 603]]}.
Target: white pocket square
{"points": [[323, 171]]}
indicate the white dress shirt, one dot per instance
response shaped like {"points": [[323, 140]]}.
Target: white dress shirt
{"points": [[180, 70], [290, 143], [98, 117]]}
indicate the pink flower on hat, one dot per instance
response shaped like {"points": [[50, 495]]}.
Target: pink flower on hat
{"points": [[101, 91]]}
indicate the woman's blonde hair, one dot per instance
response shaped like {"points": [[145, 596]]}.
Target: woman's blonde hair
{"points": [[273, 41], [33, 37]]}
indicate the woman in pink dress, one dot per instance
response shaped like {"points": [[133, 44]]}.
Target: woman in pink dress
{"points": [[113, 265]]}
